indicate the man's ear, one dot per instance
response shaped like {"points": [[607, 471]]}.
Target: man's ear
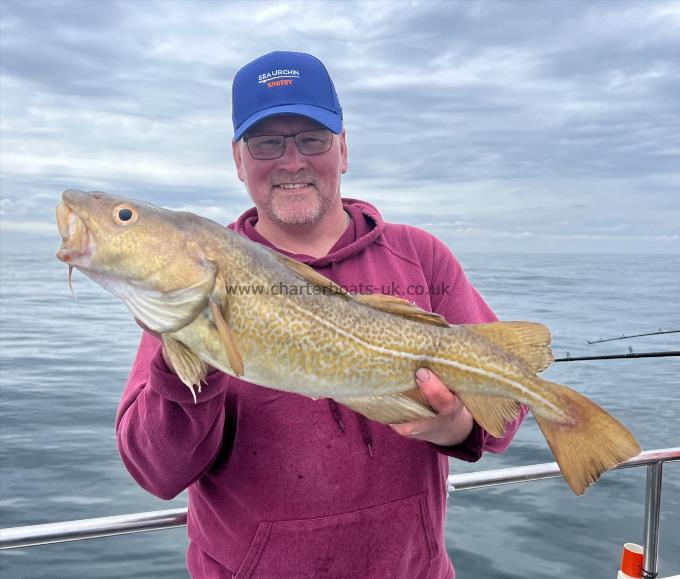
{"points": [[236, 151], [343, 153]]}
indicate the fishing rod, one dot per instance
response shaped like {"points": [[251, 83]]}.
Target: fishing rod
{"points": [[630, 354], [623, 337]]}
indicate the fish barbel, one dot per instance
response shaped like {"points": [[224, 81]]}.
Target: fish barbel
{"points": [[195, 283]]}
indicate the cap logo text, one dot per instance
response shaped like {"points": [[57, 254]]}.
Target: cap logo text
{"points": [[279, 77]]}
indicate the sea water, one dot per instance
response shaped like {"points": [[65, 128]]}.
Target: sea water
{"points": [[64, 362]]}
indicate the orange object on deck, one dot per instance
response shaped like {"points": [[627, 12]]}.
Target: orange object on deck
{"points": [[631, 561]]}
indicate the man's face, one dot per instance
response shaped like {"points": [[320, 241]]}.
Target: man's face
{"points": [[294, 189]]}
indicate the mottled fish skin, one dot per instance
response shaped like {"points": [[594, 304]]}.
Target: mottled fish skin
{"points": [[325, 345], [177, 271]]}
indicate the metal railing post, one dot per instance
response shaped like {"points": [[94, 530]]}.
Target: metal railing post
{"points": [[652, 516]]}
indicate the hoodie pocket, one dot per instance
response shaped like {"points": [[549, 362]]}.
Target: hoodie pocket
{"points": [[395, 539]]}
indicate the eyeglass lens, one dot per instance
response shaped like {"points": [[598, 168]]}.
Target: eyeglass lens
{"points": [[273, 146]]}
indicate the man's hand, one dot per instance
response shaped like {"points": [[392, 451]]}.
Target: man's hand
{"points": [[453, 422]]}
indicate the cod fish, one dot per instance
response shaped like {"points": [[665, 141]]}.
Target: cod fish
{"points": [[187, 278]]}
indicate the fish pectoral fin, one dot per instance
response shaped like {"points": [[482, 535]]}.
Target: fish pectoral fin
{"points": [[390, 408], [529, 341], [162, 311], [187, 365], [593, 442], [490, 412], [400, 307], [312, 276], [228, 340]]}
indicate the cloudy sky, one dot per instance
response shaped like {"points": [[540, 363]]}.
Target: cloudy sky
{"points": [[498, 126]]}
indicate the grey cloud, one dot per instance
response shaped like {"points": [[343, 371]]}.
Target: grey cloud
{"points": [[65, 50], [504, 115], [542, 124]]}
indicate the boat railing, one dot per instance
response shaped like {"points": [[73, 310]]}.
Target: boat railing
{"points": [[32, 535]]}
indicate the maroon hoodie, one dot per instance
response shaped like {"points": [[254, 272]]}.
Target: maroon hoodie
{"points": [[281, 485]]}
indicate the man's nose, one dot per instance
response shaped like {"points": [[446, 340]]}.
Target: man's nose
{"points": [[292, 160]]}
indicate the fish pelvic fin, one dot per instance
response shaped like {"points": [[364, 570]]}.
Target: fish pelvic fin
{"points": [[594, 442], [529, 341], [228, 340], [391, 408], [188, 366], [492, 413]]}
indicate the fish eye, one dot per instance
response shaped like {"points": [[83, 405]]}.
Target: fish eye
{"points": [[125, 214]]}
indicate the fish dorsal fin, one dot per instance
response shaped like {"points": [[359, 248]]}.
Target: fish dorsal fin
{"points": [[400, 307], [382, 302], [228, 339], [312, 276], [529, 341]]}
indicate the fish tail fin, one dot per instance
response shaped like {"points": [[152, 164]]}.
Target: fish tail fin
{"points": [[593, 442]]}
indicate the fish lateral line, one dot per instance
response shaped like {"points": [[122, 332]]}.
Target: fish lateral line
{"points": [[527, 392]]}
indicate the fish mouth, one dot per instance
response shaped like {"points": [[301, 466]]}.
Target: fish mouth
{"points": [[77, 243]]}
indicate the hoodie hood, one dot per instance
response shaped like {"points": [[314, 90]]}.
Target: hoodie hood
{"points": [[366, 224]]}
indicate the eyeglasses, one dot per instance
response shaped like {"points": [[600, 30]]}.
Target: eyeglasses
{"points": [[268, 147]]}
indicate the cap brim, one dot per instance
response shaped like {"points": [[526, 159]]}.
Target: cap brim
{"points": [[329, 119]]}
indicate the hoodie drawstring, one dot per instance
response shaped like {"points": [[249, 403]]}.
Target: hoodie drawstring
{"points": [[363, 425], [366, 434], [363, 421], [335, 412]]}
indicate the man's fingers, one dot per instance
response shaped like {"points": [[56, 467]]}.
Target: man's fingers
{"points": [[438, 396], [442, 400], [413, 428]]}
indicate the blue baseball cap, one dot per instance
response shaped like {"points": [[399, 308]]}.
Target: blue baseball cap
{"points": [[284, 83]]}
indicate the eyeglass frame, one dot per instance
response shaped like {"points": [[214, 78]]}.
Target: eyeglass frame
{"points": [[292, 135]]}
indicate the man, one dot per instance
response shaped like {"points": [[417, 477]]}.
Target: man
{"points": [[281, 485]]}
